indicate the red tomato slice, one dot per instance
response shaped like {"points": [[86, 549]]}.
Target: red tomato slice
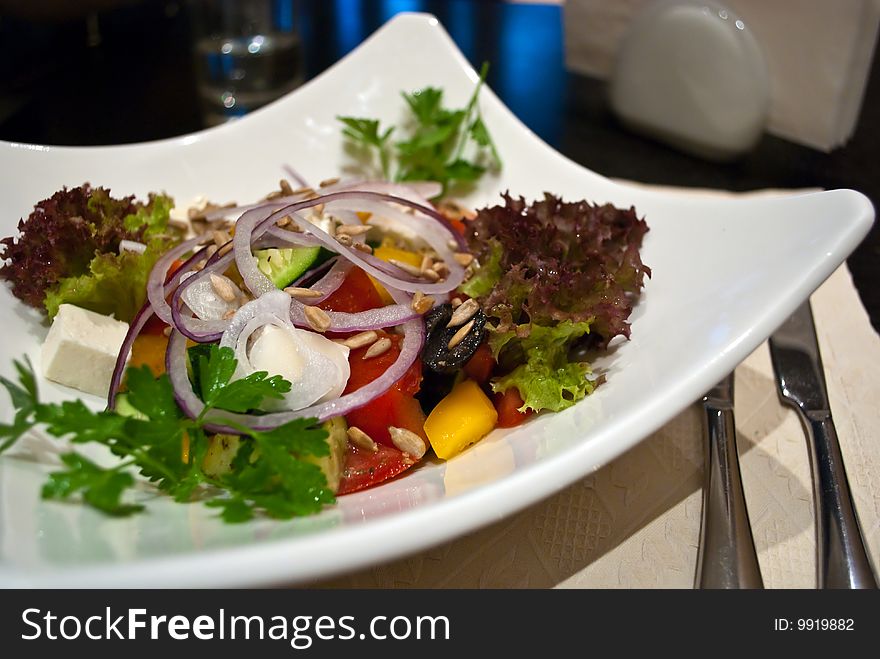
{"points": [[479, 366], [397, 406], [458, 225], [508, 404], [364, 468], [357, 293]]}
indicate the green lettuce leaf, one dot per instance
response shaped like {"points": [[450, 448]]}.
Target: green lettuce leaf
{"points": [[151, 218], [544, 377], [116, 284], [487, 275]]}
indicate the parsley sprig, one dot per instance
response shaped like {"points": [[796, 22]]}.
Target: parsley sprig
{"points": [[269, 476], [451, 147]]}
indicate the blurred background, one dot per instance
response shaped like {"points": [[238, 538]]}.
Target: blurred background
{"points": [[115, 71]]}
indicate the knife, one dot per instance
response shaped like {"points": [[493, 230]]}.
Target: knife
{"points": [[727, 556], [842, 560]]}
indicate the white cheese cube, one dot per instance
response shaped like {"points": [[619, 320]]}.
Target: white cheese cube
{"points": [[80, 350]]}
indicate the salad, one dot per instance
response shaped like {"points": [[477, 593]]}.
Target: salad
{"points": [[266, 358]]}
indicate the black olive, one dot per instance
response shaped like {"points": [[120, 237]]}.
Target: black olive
{"points": [[437, 355], [434, 388]]}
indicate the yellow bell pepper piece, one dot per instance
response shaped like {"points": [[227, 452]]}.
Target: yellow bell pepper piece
{"points": [[386, 253], [149, 350], [464, 416]]}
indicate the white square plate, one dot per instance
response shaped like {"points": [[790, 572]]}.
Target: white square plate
{"points": [[726, 274]]}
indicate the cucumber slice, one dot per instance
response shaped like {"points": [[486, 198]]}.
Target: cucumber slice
{"points": [[337, 439], [222, 449], [285, 266], [124, 408]]}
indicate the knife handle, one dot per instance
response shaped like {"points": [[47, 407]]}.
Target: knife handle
{"points": [[727, 556], [842, 560]]}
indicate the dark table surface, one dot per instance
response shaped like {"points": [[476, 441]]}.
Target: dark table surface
{"points": [[126, 74]]}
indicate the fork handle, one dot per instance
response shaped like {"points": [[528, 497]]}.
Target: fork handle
{"points": [[842, 560], [727, 556]]}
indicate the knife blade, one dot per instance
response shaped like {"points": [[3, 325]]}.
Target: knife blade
{"points": [[842, 560], [726, 557]]}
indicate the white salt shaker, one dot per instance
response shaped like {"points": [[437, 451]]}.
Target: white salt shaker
{"points": [[691, 74]]}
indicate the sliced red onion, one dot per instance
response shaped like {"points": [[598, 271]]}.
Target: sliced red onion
{"points": [[134, 329], [411, 225], [254, 223], [205, 302], [175, 359], [340, 321], [387, 273], [201, 331], [291, 238], [157, 281], [322, 366], [331, 281], [292, 173]]}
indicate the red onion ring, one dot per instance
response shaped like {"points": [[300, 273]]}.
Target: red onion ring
{"points": [[134, 330], [159, 274], [175, 365]]}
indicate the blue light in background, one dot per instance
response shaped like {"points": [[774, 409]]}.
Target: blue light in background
{"points": [[282, 14], [532, 44], [349, 25], [392, 7], [460, 21]]}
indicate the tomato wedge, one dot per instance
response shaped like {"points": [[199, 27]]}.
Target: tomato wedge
{"points": [[364, 468], [397, 406], [357, 293], [479, 366], [508, 404]]}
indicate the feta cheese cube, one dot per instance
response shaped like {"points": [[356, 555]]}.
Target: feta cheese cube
{"points": [[80, 349]]}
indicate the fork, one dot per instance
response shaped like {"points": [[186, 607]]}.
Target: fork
{"points": [[727, 556]]}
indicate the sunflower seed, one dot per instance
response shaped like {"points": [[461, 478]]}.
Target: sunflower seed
{"points": [[407, 441], [167, 331], [463, 258], [380, 347], [430, 275], [427, 263], [223, 288], [275, 194], [229, 314], [220, 237], [462, 332], [223, 251], [422, 303], [317, 318], [361, 439], [353, 229], [360, 340], [344, 239], [303, 191], [451, 244], [284, 221], [456, 302], [463, 313], [286, 190], [406, 267], [363, 247], [328, 182], [302, 293], [440, 268], [179, 224], [319, 209]]}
